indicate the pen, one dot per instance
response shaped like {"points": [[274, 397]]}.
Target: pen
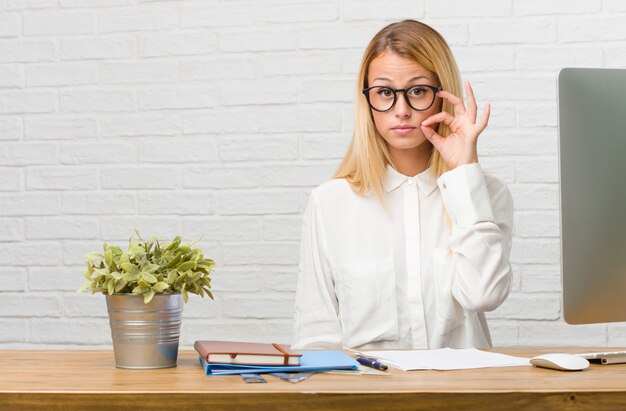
{"points": [[371, 363]]}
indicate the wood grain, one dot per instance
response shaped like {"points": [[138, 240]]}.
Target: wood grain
{"points": [[69, 380]]}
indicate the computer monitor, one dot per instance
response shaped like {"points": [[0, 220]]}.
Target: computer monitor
{"points": [[592, 168]]}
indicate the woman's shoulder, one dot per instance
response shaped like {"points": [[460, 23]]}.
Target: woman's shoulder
{"points": [[339, 193], [332, 189], [336, 200]]}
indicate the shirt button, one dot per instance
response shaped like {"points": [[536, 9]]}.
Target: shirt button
{"points": [[410, 181], [444, 186]]}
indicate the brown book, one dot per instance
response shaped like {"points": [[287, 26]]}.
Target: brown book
{"points": [[234, 352]]}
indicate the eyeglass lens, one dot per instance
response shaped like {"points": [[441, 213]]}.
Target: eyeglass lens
{"points": [[383, 98]]}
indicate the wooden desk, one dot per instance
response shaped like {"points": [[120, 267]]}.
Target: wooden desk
{"points": [[67, 380]]}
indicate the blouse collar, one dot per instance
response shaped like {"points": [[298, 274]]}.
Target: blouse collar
{"points": [[425, 180]]}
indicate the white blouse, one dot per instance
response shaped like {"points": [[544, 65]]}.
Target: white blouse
{"points": [[417, 275]]}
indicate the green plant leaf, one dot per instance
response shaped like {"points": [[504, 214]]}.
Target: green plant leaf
{"points": [[111, 286], [130, 277], [173, 262], [181, 278], [207, 269], [174, 244], [86, 285], [171, 277], [149, 278], [124, 259], [119, 286], [160, 287], [136, 249], [189, 265], [130, 268], [151, 268], [87, 274], [183, 291], [116, 250], [147, 297], [108, 256]]}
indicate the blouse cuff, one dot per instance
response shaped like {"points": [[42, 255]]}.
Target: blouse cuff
{"points": [[465, 195]]}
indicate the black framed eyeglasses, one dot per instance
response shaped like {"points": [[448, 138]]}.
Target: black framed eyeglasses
{"points": [[419, 97]]}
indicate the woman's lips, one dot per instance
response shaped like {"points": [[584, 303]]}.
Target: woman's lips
{"points": [[403, 130]]}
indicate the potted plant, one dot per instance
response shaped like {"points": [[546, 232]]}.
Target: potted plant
{"points": [[145, 287]]}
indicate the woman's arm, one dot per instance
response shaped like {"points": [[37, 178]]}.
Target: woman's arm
{"points": [[316, 325], [482, 220], [482, 215]]}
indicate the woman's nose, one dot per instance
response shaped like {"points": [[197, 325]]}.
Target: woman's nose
{"points": [[402, 109]]}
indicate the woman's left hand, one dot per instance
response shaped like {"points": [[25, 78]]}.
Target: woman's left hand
{"points": [[459, 147]]}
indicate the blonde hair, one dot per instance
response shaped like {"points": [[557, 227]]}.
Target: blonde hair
{"points": [[367, 157]]}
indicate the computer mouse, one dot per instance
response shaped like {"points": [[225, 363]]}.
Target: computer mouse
{"points": [[560, 361]]}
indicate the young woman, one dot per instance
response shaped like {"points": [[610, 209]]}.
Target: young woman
{"points": [[409, 244]]}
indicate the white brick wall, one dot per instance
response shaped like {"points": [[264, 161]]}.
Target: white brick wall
{"points": [[217, 118]]}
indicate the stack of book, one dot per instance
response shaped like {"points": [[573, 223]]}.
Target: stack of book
{"points": [[233, 357]]}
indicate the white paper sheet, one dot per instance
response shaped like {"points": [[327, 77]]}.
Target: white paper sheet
{"points": [[445, 359]]}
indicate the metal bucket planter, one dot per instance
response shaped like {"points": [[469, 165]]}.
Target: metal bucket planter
{"points": [[145, 336]]}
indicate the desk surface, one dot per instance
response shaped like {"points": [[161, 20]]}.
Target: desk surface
{"points": [[66, 380]]}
